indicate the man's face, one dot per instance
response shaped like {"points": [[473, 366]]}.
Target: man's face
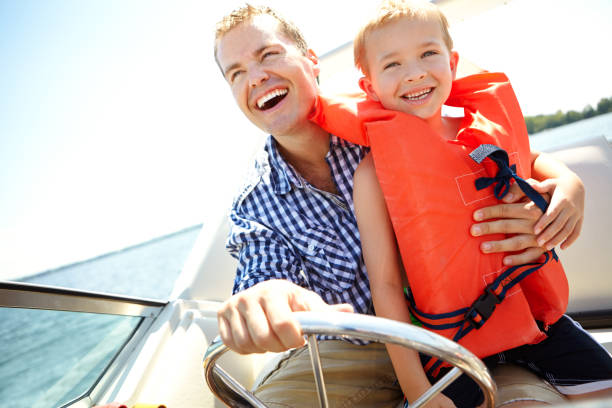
{"points": [[411, 69], [273, 83]]}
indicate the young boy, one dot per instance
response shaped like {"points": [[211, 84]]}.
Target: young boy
{"points": [[433, 171]]}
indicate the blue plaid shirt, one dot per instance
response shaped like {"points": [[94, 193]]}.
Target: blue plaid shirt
{"points": [[282, 227]]}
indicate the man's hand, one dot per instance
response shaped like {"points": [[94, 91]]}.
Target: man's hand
{"points": [[260, 319], [512, 217]]}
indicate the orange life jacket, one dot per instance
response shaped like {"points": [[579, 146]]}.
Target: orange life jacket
{"points": [[429, 188]]}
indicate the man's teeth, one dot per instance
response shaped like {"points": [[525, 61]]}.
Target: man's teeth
{"points": [[418, 95], [277, 92]]}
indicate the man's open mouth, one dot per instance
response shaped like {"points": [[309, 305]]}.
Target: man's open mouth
{"points": [[271, 99], [417, 96]]}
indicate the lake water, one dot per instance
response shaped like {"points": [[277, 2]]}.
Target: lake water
{"points": [[34, 358], [49, 357], [550, 138]]}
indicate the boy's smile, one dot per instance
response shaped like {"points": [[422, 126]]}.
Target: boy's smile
{"points": [[418, 97], [410, 68]]}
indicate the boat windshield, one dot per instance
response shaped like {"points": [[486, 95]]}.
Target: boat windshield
{"points": [[50, 358], [57, 343]]}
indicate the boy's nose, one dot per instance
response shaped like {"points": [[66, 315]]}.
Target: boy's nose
{"points": [[414, 74]]}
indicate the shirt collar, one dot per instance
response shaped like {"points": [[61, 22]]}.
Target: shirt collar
{"points": [[282, 175]]}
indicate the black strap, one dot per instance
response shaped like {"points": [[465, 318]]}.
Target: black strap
{"points": [[505, 173]]}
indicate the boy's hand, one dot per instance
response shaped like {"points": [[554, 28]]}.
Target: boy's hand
{"points": [[562, 222]]}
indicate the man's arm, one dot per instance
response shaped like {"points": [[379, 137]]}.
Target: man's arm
{"points": [[258, 316]]}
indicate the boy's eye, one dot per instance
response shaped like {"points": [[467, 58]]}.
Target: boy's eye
{"points": [[390, 65], [429, 53]]}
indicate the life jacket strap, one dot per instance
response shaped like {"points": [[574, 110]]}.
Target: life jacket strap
{"points": [[505, 174], [482, 308]]}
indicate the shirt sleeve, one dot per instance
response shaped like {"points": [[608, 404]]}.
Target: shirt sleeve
{"points": [[346, 116], [262, 254]]}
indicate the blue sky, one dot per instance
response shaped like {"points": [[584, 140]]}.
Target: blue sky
{"points": [[116, 126]]}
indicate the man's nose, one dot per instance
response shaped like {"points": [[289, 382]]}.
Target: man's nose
{"points": [[257, 76]]}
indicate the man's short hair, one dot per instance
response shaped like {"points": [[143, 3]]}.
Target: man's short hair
{"points": [[392, 10], [246, 13]]}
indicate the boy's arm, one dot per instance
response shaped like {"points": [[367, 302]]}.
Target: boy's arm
{"points": [[562, 222], [384, 270], [346, 116]]}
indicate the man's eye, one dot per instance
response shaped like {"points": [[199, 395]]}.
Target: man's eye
{"points": [[391, 65], [268, 54], [234, 75]]}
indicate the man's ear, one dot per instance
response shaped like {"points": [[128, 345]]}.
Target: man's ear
{"points": [[310, 54], [454, 62], [366, 86]]}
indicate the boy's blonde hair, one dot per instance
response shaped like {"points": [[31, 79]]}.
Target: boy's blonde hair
{"points": [[247, 13], [392, 10]]}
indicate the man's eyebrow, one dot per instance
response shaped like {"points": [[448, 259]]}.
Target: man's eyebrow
{"points": [[237, 64], [231, 67]]}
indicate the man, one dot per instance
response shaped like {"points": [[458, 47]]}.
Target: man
{"points": [[293, 228]]}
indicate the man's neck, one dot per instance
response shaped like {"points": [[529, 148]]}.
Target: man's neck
{"points": [[306, 153]]}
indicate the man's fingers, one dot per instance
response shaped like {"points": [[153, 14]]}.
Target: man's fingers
{"points": [[225, 331], [343, 307], [285, 327], [261, 329], [524, 210], [503, 226], [514, 243], [529, 255], [234, 331]]}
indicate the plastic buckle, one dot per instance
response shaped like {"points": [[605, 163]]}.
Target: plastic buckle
{"points": [[484, 307]]}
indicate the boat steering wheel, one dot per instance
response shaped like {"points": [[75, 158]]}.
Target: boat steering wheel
{"points": [[364, 327]]}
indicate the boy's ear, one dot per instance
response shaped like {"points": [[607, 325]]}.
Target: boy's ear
{"points": [[366, 85], [310, 54], [454, 61]]}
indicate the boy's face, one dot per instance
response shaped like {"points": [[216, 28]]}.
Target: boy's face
{"points": [[411, 69], [273, 83]]}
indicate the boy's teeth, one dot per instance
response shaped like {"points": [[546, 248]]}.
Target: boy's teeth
{"points": [[418, 95], [277, 92]]}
